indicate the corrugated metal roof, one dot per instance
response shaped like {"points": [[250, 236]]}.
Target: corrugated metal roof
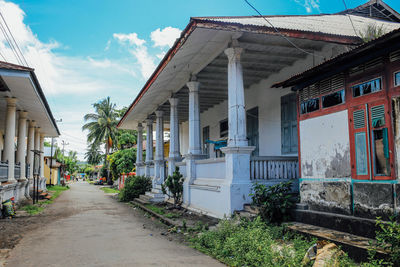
{"points": [[11, 66], [328, 24]]}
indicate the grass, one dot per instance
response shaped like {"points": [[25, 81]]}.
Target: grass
{"points": [[109, 190], [90, 182], [162, 211], [54, 190]]}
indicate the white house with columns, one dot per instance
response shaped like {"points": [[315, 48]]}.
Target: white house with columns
{"points": [[25, 120], [214, 87]]}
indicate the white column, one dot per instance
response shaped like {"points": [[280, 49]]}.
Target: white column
{"points": [[236, 106], [159, 157], [139, 150], [9, 147], [237, 184], [21, 146], [37, 144], [42, 156], [174, 154], [149, 146], [31, 146], [194, 118]]}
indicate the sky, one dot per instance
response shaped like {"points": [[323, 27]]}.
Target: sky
{"points": [[86, 50]]}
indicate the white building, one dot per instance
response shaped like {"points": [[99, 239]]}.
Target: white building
{"points": [[25, 120], [215, 84]]}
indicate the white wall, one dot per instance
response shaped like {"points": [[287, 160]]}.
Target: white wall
{"points": [[325, 147]]}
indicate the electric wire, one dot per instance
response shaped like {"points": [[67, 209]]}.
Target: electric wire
{"points": [[351, 21], [15, 42], [280, 34], [9, 43]]}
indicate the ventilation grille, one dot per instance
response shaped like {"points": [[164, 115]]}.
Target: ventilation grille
{"points": [[323, 87], [359, 119], [367, 66], [395, 56], [378, 116]]}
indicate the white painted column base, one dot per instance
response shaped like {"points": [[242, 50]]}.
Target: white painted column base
{"points": [[190, 160]]}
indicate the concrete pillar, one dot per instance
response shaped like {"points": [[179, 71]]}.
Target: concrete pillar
{"points": [[9, 148], [139, 150], [21, 147], [149, 146], [31, 146], [237, 185], [42, 156], [194, 118], [159, 157], [236, 107], [37, 145], [174, 154]]}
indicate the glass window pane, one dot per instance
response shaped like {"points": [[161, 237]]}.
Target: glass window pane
{"points": [[361, 154], [333, 99], [381, 152], [309, 105], [397, 78], [367, 87]]}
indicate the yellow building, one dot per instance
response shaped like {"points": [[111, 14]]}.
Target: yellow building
{"points": [[55, 172]]}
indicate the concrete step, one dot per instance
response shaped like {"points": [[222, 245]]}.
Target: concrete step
{"points": [[250, 209], [355, 246], [343, 223], [153, 197], [142, 201], [301, 206]]}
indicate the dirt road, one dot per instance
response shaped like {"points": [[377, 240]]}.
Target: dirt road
{"points": [[99, 231]]}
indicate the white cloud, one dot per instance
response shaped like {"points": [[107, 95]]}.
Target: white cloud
{"points": [[132, 38], [309, 5], [165, 37]]}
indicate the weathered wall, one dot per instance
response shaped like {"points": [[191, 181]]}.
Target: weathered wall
{"points": [[324, 146], [328, 196], [396, 128]]}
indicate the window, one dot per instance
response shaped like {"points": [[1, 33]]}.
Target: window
{"points": [[206, 137], [333, 99], [223, 128], [367, 87], [309, 105], [397, 78], [288, 124], [252, 129]]}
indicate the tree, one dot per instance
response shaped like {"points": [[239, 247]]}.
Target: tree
{"points": [[47, 144], [122, 161], [93, 155], [102, 126]]}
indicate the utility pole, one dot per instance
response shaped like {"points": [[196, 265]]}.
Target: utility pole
{"points": [[63, 143], [51, 158]]}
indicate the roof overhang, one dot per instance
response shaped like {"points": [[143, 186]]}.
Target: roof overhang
{"points": [[24, 85]]}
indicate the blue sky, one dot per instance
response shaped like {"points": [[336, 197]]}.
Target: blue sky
{"points": [[89, 49]]}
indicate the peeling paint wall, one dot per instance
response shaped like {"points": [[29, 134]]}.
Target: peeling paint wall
{"points": [[324, 146], [396, 129]]}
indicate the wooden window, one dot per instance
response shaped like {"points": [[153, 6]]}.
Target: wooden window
{"points": [[252, 129], [223, 128], [288, 124], [309, 105], [333, 99], [365, 88], [397, 78]]}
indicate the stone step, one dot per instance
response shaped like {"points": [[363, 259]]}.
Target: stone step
{"points": [[343, 223], [155, 195], [250, 209], [142, 201], [356, 246], [301, 206]]}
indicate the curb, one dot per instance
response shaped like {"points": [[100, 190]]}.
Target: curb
{"points": [[165, 220]]}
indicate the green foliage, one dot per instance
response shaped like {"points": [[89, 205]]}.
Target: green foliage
{"points": [[246, 243], [33, 209], [88, 170], [134, 187], [126, 138], [274, 201], [122, 161], [47, 144], [93, 155], [109, 190], [103, 171], [372, 32], [174, 184]]}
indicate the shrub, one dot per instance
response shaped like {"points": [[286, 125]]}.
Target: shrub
{"points": [[134, 187], [174, 184], [274, 201], [388, 238]]}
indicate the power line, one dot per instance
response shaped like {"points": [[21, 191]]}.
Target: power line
{"points": [[10, 43], [12, 36], [351, 21], [283, 36]]}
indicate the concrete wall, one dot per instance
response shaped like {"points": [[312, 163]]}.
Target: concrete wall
{"points": [[325, 146], [54, 175]]}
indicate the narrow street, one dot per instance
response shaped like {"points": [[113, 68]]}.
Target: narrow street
{"points": [[101, 232]]}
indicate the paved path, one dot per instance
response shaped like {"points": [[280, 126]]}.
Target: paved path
{"points": [[101, 232]]}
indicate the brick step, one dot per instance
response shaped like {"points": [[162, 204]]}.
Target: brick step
{"points": [[355, 246]]}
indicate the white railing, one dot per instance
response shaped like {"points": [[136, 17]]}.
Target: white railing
{"points": [[267, 168], [213, 168]]}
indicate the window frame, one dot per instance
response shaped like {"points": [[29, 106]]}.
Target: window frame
{"points": [[331, 93], [394, 78], [366, 81]]}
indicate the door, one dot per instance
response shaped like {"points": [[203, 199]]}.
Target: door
{"points": [[289, 124], [372, 156]]}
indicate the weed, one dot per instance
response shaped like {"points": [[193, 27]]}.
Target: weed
{"points": [[109, 190]]}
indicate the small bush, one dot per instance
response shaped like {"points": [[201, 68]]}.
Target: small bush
{"points": [[174, 184], [134, 187], [274, 201]]}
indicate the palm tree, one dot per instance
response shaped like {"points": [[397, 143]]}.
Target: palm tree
{"points": [[93, 155], [102, 126]]}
